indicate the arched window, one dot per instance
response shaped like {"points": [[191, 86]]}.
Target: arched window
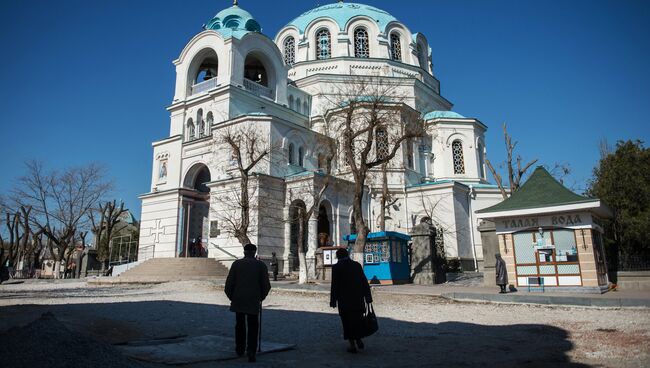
{"points": [[301, 157], [323, 44], [395, 47], [298, 105], [291, 102], [409, 153], [321, 161], [291, 149], [209, 120], [381, 143], [200, 123], [191, 130], [289, 51], [305, 108], [422, 57], [459, 161], [361, 43]]}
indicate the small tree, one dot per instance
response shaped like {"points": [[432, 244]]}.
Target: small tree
{"points": [[109, 215], [358, 113], [515, 174]]}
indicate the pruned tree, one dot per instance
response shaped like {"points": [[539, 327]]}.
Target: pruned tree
{"points": [[357, 114], [515, 173], [61, 201], [248, 148], [109, 217]]}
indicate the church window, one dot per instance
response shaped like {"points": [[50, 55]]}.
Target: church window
{"points": [[323, 44], [381, 143], [291, 102], [409, 153], [290, 51], [459, 161], [395, 47], [291, 149], [298, 104], [361, 43], [191, 130], [200, 123], [321, 161], [301, 157], [208, 122], [422, 58], [305, 108]]}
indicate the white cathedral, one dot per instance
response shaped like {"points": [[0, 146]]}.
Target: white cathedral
{"points": [[231, 75]]}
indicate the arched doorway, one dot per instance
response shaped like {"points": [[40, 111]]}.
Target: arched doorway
{"points": [[195, 210], [324, 223], [296, 209]]}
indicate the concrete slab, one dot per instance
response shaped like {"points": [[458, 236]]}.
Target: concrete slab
{"points": [[187, 350]]}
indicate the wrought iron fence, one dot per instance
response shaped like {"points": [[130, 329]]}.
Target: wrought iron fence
{"points": [[634, 262]]}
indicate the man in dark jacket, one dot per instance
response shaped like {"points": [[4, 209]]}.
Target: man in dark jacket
{"points": [[349, 289], [246, 286], [501, 273]]}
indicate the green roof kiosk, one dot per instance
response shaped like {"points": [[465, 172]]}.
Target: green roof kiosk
{"points": [[551, 237]]}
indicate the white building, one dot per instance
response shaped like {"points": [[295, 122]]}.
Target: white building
{"points": [[231, 76]]}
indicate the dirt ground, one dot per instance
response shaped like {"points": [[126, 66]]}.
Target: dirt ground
{"points": [[415, 331]]}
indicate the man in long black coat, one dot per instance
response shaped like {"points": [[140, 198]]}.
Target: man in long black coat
{"points": [[501, 273], [247, 286], [349, 289]]}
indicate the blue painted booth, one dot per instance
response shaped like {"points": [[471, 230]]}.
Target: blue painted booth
{"points": [[385, 257]]}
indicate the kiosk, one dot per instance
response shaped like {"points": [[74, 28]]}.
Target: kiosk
{"points": [[385, 257]]}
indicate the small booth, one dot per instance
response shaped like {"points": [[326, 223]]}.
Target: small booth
{"points": [[385, 257], [550, 237]]}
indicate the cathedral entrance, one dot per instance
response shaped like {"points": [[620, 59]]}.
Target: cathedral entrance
{"points": [[297, 210], [193, 240], [324, 224]]}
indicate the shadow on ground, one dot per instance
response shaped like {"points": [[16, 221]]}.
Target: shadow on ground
{"points": [[317, 336]]}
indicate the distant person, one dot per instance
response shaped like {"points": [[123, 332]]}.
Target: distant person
{"points": [[247, 286], [501, 273], [349, 289], [274, 266]]}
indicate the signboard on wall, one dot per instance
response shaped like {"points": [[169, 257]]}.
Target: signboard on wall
{"points": [[580, 220]]}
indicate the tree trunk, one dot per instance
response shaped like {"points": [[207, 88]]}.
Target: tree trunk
{"points": [[384, 197], [57, 267], [302, 259]]}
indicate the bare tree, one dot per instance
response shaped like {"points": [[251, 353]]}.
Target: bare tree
{"points": [[366, 107], [110, 215], [248, 148], [515, 174], [61, 202]]}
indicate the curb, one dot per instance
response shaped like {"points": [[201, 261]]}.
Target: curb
{"points": [[549, 300]]}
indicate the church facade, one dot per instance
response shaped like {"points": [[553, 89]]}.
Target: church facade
{"points": [[232, 78]]}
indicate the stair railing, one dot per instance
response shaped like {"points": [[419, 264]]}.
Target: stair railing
{"points": [[230, 255]]}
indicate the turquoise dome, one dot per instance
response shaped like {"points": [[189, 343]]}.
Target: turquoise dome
{"points": [[437, 114], [341, 13], [233, 22]]}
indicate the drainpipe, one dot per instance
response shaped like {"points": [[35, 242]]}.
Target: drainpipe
{"points": [[471, 226]]}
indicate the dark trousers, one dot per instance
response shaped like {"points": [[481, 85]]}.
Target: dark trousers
{"points": [[246, 341]]}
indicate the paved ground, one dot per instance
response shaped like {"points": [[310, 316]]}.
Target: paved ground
{"points": [[415, 330]]}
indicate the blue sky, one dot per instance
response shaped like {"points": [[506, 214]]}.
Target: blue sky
{"points": [[89, 81]]}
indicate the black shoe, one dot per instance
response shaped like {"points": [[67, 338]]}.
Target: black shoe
{"points": [[251, 358], [360, 344]]}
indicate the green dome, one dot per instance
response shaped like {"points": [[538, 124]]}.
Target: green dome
{"points": [[438, 114], [233, 21], [341, 13]]}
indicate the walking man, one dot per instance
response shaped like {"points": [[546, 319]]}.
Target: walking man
{"points": [[501, 273], [274, 266], [247, 286], [349, 289]]}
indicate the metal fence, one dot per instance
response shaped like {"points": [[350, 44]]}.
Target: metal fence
{"points": [[634, 262]]}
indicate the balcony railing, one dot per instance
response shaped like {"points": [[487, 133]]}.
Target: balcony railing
{"points": [[204, 86], [258, 89]]}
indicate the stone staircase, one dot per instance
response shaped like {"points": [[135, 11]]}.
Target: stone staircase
{"points": [[174, 269]]}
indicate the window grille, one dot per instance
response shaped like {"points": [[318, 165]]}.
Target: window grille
{"points": [[381, 142], [395, 47], [323, 45], [361, 44], [459, 161], [290, 51]]}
